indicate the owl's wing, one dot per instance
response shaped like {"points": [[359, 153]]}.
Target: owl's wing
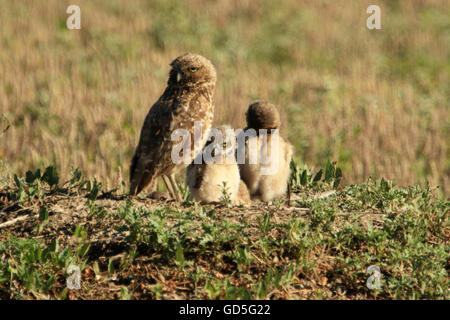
{"points": [[194, 175], [147, 157]]}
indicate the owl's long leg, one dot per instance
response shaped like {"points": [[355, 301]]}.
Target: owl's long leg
{"points": [[289, 194], [154, 186], [175, 187], [168, 186]]}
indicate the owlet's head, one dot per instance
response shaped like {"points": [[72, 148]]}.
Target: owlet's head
{"points": [[192, 70], [262, 115], [221, 143]]}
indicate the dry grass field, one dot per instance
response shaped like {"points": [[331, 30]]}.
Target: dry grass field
{"points": [[375, 101]]}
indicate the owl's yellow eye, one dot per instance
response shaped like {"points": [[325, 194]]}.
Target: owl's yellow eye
{"points": [[193, 69], [224, 144]]}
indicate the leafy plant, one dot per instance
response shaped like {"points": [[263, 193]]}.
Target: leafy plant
{"points": [[33, 185], [32, 267], [225, 199], [330, 176], [43, 220]]}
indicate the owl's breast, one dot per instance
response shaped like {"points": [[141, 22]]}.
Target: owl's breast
{"points": [[192, 119]]}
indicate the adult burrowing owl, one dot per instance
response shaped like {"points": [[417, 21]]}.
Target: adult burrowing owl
{"points": [[270, 185], [188, 98], [217, 170]]}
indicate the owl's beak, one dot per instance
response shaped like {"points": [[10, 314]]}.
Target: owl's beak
{"points": [[179, 76]]}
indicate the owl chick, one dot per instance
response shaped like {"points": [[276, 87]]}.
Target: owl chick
{"points": [[243, 196], [267, 155], [186, 99], [216, 170]]}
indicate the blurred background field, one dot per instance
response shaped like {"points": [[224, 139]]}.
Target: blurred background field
{"points": [[375, 101]]}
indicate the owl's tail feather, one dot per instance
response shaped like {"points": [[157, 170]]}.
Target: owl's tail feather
{"points": [[134, 180], [140, 177], [140, 183]]}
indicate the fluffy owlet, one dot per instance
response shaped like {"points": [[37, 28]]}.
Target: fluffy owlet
{"points": [[262, 183], [188, 98], [217, 170]]}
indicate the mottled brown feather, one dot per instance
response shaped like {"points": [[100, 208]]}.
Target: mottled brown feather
{"points": [[182, 103]]}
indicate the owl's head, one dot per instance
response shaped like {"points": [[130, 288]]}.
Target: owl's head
{"points": [[192, 70]]}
